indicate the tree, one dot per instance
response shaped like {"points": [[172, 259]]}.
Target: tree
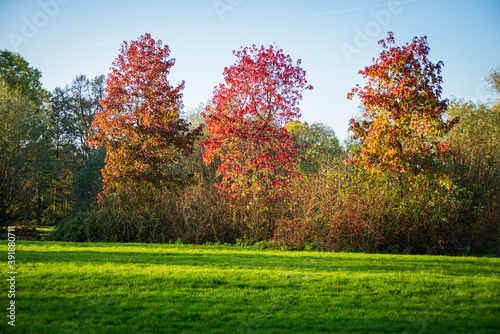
{"points": [[494, 80], [16, 118], [139, 123], [476, 141], [73, 110], [16, 73], [88, 181], [25, 157], [84, 103], [475, 168], [318, 141], [59, 119], [245, 128], [22, 89], [402, 123]]}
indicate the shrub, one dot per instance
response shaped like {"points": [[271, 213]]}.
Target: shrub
{"points": [[72, 229], [346, 209], [475, 167], [336, 209], [295, 233]]}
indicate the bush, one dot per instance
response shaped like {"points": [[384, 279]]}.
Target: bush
{"points": [[206, 216], [475, 167], [336, 209], [153, 216], [296, 234], [341, 209], [72, 229]]}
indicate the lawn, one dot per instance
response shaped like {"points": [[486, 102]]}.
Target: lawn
{"points": [[151, 288]]}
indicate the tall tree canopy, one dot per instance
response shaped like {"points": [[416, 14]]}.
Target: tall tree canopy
{"points": [[140, 123], [18, 126], [402, 123], [74, 109], [25, 141], [245, 128], [16, 73]]}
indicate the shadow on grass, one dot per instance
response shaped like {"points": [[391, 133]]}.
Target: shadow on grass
{"points": [[269, 294], [236, 313]]}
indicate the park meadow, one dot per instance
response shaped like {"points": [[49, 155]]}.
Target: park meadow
{"points": [[179, 288], [124, 213]]}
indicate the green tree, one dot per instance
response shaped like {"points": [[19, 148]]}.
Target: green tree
{"points": [[16, 118], [84, 97], [24, 157], [22, 82], [88, 181], [319, 143], [72, 111], [66, 158], [16, 73], [494, 79], [476, 141], [475, 168]]}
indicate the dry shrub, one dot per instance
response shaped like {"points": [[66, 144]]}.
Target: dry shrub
{"points": [[344, 209], [206, 216]]}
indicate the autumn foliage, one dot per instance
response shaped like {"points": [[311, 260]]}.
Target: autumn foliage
{"points": [[139, 123], [245, 127], [402, 125], [259, 175]]}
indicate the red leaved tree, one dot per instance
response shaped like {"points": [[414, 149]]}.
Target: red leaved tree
{"points": [[245, 127], [139, 123], [402, 125]]}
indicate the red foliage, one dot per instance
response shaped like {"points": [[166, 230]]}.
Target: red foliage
{"points": [[139, 123], [260, 95]]}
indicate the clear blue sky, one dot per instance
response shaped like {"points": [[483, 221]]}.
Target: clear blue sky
{"points": [[334, 39]]}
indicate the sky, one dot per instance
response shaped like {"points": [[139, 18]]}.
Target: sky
{"points": [[333, 38]]}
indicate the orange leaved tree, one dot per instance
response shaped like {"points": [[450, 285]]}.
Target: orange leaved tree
{"points": [[402, 125], [246, 124], [139, 123]]}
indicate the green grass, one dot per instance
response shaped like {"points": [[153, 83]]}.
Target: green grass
{"points": [[46, 229], [149, 288]]}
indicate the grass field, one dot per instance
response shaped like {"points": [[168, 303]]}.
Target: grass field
{"points": [[149, 288]]}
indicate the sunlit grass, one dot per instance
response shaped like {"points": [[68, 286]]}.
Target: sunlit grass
{"points": [[46, 228], [126, 288]]}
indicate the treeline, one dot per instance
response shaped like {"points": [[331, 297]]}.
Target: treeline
{"points": [[117, 159], [48, 170]]}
